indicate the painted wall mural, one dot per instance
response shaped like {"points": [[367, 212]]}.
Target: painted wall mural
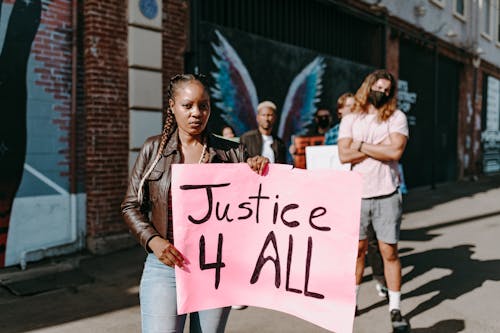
{"points": [[35, 84], [236, 93], [245, 69], [19, 35], [490, 136]]}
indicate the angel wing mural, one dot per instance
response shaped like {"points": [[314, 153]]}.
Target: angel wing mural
{"points": [[236, 95]]}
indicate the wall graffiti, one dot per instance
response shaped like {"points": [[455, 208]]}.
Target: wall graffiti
{"points": [[237, 95], [35, 86], [297, 80], [406, 99], [19, 35], [490, 136]]}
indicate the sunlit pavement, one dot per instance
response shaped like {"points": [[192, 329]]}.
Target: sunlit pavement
{"points": [[449, 251]]}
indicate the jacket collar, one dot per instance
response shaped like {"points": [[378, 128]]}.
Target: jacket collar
{"points": [[211, 151], [172, 145]]}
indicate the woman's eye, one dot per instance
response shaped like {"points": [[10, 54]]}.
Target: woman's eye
{"points": [[187, 106]]}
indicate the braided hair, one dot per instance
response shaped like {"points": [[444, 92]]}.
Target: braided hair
{"points": [[170, 123]]}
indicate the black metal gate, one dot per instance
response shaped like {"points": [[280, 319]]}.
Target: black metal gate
{"points": [[431, 154], [316, 25]]}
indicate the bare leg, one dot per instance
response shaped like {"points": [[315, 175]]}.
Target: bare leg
{"points": [[374, 257], [360, 261], [392, 265]]}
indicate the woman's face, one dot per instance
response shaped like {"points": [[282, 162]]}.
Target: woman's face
{"points": [[382, 85], [227, 132], [348, 104], [191, 107]]}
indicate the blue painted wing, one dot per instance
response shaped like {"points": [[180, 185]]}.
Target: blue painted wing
{"points": [[300, 103], [234, 90]]}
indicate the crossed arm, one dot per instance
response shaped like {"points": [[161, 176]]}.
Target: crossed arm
{"points": [[352, 151]]}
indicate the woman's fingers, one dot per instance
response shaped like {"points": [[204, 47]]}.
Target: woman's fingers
{"points": [[262, 164], [171, 256], [258, 163]]}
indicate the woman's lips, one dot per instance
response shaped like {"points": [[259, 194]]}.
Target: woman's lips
{"points": [[195, 124]]}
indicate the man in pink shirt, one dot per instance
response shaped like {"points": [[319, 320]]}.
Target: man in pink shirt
{"points": [[373, 138]]}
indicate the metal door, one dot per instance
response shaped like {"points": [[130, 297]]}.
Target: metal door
{"points": [[431, 154]]}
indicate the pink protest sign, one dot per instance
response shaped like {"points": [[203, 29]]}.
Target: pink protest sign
{"points": [[285, 241]]}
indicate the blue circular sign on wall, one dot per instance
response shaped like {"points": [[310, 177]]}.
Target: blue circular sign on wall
{"points": [[149, 8]]}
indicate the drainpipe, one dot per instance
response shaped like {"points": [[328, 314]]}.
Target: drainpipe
{"points": [[476, 63], [74, 78], [194, 35], [434, 117]]}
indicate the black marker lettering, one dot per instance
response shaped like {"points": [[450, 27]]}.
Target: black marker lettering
{"points": [[290, 224], [289, 265], [218, 264], [209, 199], [314, 215], [308, 268], [244, 205], [271, 238]]}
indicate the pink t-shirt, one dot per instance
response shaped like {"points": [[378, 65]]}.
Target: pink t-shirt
{"points": [[379, 178]]}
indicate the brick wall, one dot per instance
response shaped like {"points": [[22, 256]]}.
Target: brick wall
{"points": [[52, 48], [80, 104], [105, 101], [175, 39], [392, 54], [469, 129], [106, 118]]}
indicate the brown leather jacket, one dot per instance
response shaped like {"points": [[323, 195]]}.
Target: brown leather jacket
{"points": [[150, 219]]}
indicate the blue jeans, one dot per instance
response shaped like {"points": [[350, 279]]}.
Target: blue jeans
{"points": [[159, 304]]}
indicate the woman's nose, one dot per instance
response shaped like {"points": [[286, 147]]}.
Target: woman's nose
{"points": [[195, 111]]}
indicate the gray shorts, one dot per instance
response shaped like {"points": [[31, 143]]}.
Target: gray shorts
{"points": [[384, 213]]}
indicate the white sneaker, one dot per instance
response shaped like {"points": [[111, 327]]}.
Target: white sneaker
{"points": [[239, 307], [381, 290]]}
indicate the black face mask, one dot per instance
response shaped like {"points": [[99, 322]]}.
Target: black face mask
{"points": [[377, 98], [323, 121]]}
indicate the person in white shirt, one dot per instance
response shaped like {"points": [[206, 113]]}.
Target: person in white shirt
{"points": [[373, 138], [262, 141]]}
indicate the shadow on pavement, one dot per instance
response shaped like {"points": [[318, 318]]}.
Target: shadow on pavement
{"points": [[445, 326], [114, 287], [424, 198], [424, 234], [466, 275]]}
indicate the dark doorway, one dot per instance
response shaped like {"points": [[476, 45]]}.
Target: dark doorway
{"points": [[431, 155]]}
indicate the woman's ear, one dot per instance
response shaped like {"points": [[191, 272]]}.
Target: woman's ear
{"points": [[171, 103]]}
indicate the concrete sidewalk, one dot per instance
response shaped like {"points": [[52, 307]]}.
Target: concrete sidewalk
{"points": [[449, 252]]}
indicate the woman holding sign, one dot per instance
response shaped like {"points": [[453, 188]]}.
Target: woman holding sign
{"points": [[373, 138], [147, 206]]}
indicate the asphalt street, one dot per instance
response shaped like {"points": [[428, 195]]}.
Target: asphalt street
{"points": [[451, 272]]}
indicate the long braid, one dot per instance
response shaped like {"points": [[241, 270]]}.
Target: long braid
{"points": [[168, 129], [170, 124]]}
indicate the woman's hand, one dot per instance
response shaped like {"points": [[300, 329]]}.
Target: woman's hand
{"points": [[166, 252], [258, 163]]}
